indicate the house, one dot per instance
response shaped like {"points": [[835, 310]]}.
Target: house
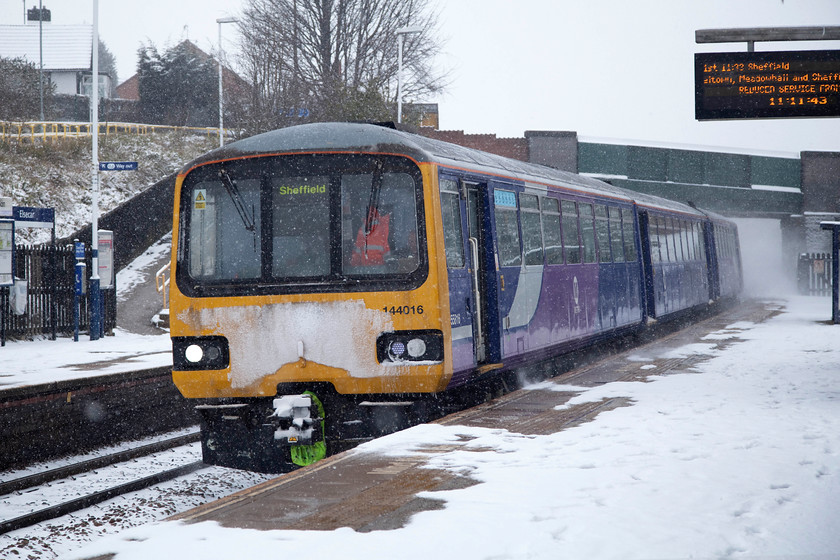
{"points": [[234, 84], [67, 54]]}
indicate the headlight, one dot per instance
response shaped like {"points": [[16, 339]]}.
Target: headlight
{"points": [[416, 347], [200, 353], [410, 346], [194, 353]]}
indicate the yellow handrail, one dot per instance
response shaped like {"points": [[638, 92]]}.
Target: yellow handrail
{"points": [[52, 130], [162, 284]]}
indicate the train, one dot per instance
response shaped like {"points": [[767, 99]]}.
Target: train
{"points": [[329, 277]]}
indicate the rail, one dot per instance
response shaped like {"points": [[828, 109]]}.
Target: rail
{"points": [[162, 283], [31, 131], [94, 498]]}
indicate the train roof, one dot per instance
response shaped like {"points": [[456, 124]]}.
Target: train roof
{"points": [[361, 137]]}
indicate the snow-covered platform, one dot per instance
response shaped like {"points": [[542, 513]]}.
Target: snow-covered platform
{"points": [[721, 440]]}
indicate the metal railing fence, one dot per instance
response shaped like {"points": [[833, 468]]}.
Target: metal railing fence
{"points": [[814, 274], [50, 274]]}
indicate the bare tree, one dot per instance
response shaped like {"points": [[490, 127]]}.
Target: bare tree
{"points": [[321, 60]]}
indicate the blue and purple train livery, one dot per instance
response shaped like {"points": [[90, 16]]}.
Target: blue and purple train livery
{"points": [[329, 268]]}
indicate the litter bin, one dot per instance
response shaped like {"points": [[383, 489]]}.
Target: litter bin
{"points": [[17, 296]]}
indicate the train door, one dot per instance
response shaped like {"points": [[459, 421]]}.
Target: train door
{"points": [[463, 214], [478, 269]]}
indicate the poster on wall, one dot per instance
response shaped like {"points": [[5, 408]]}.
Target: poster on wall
{"points": [[106, 259], [7, 247]]}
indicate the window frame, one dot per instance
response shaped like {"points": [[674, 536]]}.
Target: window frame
{"points": [[333, 165]]}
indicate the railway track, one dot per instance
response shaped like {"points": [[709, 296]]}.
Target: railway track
{"points": [[32, 483]]}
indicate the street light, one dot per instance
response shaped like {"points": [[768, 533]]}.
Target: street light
{"points": [[220, 21], [401, 33], [95, 294]]}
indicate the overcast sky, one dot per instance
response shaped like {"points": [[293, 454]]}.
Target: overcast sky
{"points": [[604, 68]]}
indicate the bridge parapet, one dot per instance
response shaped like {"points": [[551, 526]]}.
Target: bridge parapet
{"points": [[732, 184]]}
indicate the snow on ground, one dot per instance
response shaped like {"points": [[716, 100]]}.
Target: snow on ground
{"points": [[44, 361], [737, 458], [132, 275]]}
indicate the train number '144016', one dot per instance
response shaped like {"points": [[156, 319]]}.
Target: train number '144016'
{"points": [[404, 309]]}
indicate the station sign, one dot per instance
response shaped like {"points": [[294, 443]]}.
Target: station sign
{"points": [[761, 85], [25, 216], [117, 166], [79, 250]]}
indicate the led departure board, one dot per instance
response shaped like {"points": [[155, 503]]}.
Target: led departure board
{"points": [[760, 85]]}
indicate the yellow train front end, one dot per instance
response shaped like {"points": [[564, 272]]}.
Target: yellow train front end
{"points": [[306, 297]]}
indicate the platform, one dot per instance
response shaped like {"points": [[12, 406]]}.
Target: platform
{"points": [[371, 491]]}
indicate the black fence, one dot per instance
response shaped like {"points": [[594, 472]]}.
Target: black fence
{"points": [[814, 274], [50, 274]]}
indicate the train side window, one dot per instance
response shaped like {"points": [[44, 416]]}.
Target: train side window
{"points": [[725, 238], [450, 211], [679, 240], [507, 229], [531, 229], [687, 243], [571, 241], [602, 228], [667, 240], [678, 244], [716, 240], [551, 230], [615, 235], [675, 237], [655, 239], [729, 251], [629, 235], [725, 243], [688, 240], [698, 241], [692, 241], [588, 233]]}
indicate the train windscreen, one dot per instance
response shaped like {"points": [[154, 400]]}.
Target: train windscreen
{"points": [[303, 221]]}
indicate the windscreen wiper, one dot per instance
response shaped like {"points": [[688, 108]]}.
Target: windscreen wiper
{"points": [[236, 197], [372, 217]]}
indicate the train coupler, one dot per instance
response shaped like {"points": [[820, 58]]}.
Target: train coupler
{"points": [[295, 422]]}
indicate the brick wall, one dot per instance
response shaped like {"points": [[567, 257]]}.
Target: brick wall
{"points": [[514, 148]]}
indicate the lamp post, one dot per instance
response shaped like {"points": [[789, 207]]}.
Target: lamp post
{"points": [[41, 56], [401, 33], [95, 313], [220, 21]]}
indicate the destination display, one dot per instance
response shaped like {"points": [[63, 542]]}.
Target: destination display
{"points": [[760, 85]]}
